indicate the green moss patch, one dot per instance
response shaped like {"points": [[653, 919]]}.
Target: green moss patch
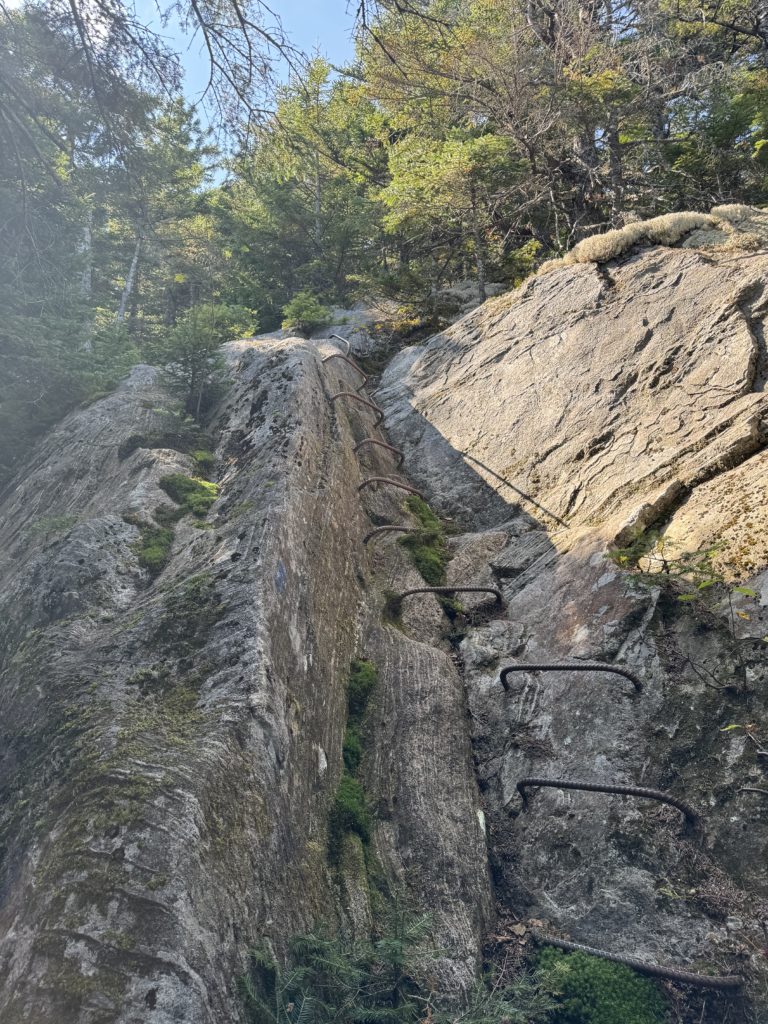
{"points": [[205, 462], [191, 493], [426, 547], [350, 812], [50, 524], [362, 679], [421, 510], [589, 990], [154, 547]]}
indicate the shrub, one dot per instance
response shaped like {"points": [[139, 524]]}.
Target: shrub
{"points": [[305, 314], [365, 981], [427, 548], [349, 813], [204, 462], [590, 990], [194, 495], [190, 349], [362, 679], [154, 547]]}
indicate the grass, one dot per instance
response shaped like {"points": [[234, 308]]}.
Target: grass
{"points": [[191, 493], [427, 547], [154, 547], [589, 990], [205, 462], [350, 811]]}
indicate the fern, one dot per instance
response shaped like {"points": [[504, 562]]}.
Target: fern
{"points": [[329, 980]]}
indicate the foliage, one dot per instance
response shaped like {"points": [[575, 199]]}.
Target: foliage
{"points": [[301, 214], [153, 548], [362, 680], [690, 577], [694, 575], [429, 554], [427, 547], [350, 811], [374, 982], [205, 461], [191, 493], [182, 434], [51, 524], [590, 990], [190, 350], [305, 314], [360, 685]]}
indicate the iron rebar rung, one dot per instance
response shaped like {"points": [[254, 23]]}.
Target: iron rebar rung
{"points": [[452, 590], [364, 401], [603, 787], [392, 482], [349, 362], [338, 337], [581, 666], [381, 444], [727, 981]]}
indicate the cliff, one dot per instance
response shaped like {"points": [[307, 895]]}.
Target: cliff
{"points": [[175, 656]]}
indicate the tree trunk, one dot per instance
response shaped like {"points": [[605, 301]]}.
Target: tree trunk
{"points": [[616, 173], [479, 247], [129, 281], [86, 279], [318, 203]]}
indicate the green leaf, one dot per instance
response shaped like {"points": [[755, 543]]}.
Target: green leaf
{"points": [[687, 597], [746, 590], [729, 728]]}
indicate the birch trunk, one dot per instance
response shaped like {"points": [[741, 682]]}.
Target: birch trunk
{"points": [[129, 281]]}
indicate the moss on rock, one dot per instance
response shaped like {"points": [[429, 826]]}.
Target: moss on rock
{"points": [[191, 493]]}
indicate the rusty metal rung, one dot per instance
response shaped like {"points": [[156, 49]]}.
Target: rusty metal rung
{"points": [[392, 482], [600, 787], [350, 362], [381, 444], [579, 666], [338, 337], [364, 401], [452, 590], [726, 981]]}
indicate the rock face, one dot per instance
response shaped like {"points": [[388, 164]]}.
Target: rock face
{"points": [[596, 403], [171, 738], [171, 746]]}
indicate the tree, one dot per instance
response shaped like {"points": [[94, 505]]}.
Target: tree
{"points": [[305, 314], [190, 350], [603, 105], [302, 214]]}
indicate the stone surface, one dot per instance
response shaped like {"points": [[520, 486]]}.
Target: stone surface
{"points": [[170, 746], [592, 404], [591, 394]]}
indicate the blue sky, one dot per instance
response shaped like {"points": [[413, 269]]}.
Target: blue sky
{"points": [[309, 24]]}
